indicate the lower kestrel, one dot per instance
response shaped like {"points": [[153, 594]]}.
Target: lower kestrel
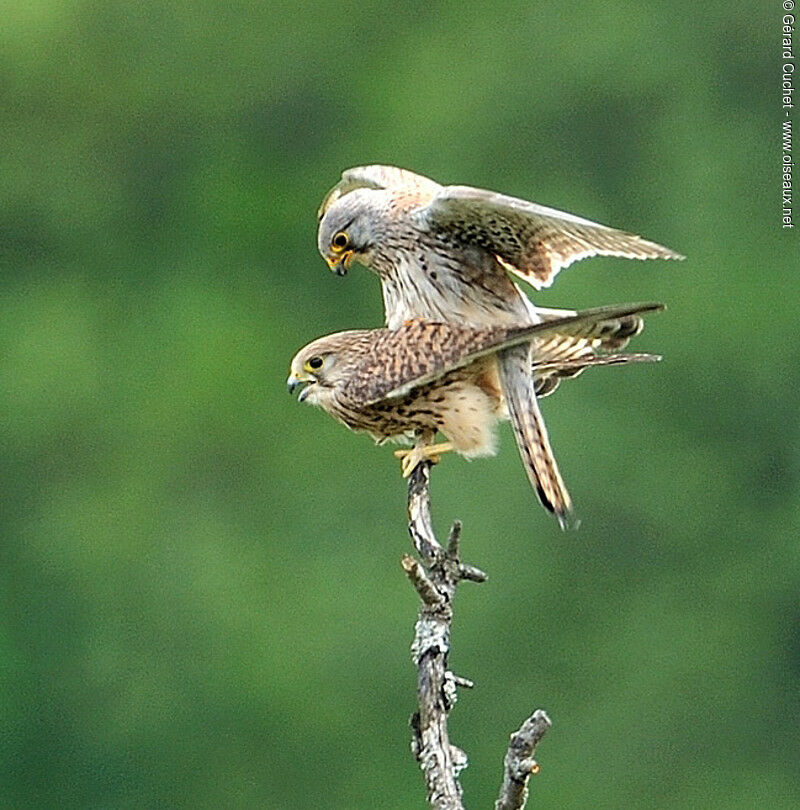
{"points": [[429, 377]]}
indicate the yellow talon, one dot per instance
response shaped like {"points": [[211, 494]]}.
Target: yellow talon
{"points": [[416, 455]]}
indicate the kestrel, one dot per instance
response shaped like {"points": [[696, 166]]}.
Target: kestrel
{"points": [[444, 253], [427, 377]]}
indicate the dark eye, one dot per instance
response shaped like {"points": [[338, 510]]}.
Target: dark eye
{"points": [[340, 240], [315, 363]]}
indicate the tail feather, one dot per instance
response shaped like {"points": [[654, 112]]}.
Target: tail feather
{"points": [[531, 435]]}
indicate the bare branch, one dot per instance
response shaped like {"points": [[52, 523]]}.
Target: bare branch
{"points": [[519, 762], [435, 580], [435, 583], [419, 514]]}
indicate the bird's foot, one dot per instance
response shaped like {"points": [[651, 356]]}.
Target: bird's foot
{"points": [[409, 459]]}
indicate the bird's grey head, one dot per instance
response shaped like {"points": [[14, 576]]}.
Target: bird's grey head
{"points": [[328, 362], [351, 227]]}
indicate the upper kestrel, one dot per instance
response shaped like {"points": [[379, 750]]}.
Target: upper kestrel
{"points": [[457, 243], [426, 377], [444, 253]]}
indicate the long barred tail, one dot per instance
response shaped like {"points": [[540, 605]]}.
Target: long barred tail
{"points": [[531, 435]]}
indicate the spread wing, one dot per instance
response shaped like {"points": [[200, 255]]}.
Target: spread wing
{"points": [[608, 329], [420, 352], [548, 375], [377, 176], [562, 355], [605, 335], [531, 240], [571, 368]]}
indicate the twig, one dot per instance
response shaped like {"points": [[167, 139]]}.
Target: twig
{"points": [[435, 579], [519, 761]]}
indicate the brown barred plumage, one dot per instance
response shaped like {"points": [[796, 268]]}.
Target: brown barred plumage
{"points": [[426, 377]]}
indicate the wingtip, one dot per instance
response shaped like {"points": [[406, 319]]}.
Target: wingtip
{"points": [[637, 308], [657, 251], [667, 253], [568, 521]]}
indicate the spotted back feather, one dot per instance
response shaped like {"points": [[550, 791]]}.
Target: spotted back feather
{"points": [[420, 351]]}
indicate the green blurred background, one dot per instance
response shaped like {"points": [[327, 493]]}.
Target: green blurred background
{"points": [[202, 600]]}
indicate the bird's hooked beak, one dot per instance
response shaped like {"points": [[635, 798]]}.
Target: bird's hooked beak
{"points": [[303, 383], [339, 263]]}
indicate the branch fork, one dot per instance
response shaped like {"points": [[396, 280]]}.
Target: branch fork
{"points": [[435, 577]]}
